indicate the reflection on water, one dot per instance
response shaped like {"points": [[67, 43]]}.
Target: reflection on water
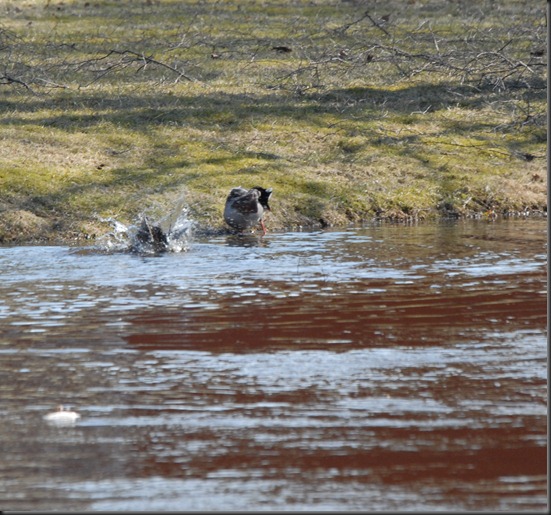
{"points": [[384, 368]]}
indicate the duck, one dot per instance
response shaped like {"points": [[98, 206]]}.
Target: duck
{"points": [[152, 234], [62, 416], [158, 235], [246, 208]]}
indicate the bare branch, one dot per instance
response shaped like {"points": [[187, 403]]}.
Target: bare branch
{"points": [[129, 57], [367, 15], [7, 80]]}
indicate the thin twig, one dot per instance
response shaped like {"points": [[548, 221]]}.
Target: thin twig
{"points": [[367, 15], [136, 57]]}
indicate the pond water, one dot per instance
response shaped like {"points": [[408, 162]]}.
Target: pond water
{"points": [[388, 367]]}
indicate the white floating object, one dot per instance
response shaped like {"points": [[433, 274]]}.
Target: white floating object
{"points": [[62, 417]]}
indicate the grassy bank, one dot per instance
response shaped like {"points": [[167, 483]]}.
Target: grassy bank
{"points": [[411, 109]]}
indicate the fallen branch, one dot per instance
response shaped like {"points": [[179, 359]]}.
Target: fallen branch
{"points": [[135, 57], [7, 80], [344, 28]]}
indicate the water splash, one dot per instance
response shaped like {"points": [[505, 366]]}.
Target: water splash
{"points": [[172, 233]]}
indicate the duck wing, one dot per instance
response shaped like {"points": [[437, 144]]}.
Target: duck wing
{"points": [[246, 202], [235, 193], [152, 235]]}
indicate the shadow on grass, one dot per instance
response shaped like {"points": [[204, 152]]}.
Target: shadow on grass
{"points": [[356, 108], [221, 109]]}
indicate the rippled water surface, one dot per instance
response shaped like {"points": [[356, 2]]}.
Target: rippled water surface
{"points": [[384, 368]]}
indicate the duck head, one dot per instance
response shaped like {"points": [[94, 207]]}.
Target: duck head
{"points": [[265, 195]]}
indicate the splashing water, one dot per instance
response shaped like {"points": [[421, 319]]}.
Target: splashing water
{"points": [[172, 233]]}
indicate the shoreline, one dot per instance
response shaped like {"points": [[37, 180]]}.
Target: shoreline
{"points": [[28, 229]]}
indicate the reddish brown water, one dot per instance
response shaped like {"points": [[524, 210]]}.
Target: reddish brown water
{"points": [[383, 368]]}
